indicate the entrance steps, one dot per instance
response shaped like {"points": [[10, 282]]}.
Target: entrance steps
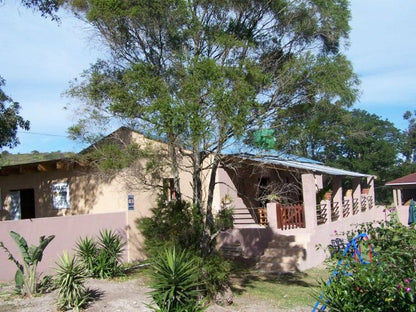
{"points": [[281, 255]]}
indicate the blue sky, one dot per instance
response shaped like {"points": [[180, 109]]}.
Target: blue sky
{"points": [[38, 58]]}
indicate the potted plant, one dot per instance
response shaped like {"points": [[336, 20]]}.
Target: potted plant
{"points": [[365, 191], [328, 195]]}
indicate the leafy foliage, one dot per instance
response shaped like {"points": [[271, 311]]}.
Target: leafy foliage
{"points": [[214, 274], [25, 278], [177, 225], [387, 283], [70, 278], [175, 282], [202, 73], [87, 250], [224, 219], [173, 223], [354, 140], [10, 120], [101, 258], [408, 147]]}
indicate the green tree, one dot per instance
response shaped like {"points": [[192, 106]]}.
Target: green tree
{"points": [[409, 141], [47, 8], [201, 74], [310, 131], [369, 144], [354, 140], [10, 120]]}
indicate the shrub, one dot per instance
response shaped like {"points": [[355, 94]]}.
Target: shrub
{"points": [[87, 250], [175, 281], [173, 223], [388, 283], [70, 279], [177, 224], [224, 219], [25, 277], [102, 259], [214, 274]]}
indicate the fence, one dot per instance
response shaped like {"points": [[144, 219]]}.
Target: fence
{"points": [[67, 231], [290, 216]]}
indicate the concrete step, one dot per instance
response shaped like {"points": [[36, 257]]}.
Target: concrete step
{"points": [[248, 226], [276, 267], [244, 221]]}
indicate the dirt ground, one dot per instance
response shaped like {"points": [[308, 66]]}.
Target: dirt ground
{"points": [[121, 296]]}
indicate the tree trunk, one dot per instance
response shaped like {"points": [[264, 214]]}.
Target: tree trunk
{"points": [[196, 179], [211, 187], [175, 169]]}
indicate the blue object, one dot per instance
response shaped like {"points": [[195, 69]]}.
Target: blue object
{"points": [[412, 213], [354, 251]]}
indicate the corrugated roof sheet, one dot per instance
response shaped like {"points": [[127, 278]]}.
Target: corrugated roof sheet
{"points": [[240, 148], [302, 165], [406, 180]]}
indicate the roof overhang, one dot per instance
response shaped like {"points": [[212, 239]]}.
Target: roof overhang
{"points": [[41, 166], [301, 166]]}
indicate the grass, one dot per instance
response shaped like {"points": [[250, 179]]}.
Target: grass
{"points": [[280, 291], [283, 291]]}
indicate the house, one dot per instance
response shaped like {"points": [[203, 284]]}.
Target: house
{"points": [[285, 206], [404, 190], [280, 202]]}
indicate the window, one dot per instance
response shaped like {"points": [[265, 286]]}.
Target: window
{"points": [[169, 189], [60, 195]]}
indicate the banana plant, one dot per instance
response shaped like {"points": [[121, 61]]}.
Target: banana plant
{"points": [[25, 277]]}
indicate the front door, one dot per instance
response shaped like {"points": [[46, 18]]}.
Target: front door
{"points": [[22, 204], [27, 203]]}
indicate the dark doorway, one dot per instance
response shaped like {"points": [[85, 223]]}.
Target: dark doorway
{"points": [[27, 203]]}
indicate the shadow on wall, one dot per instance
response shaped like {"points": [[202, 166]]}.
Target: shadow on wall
{"points": [[271, 252], [85, 187]]}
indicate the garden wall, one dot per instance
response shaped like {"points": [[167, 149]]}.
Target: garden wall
{"points": [[67, 231]]}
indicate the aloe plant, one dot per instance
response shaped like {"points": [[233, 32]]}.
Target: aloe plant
{"points": [[70, 279], [175, 282], [102, 258], [25, 277]]}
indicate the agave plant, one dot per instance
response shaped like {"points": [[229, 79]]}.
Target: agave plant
{"points": [[86, 249], [102, 258], [175, 282], [70, 278], [25, 277]]}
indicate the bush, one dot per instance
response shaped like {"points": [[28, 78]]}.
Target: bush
{"points": [[173, 223], [87, 250], [102, 259], [175, 281], [388, 283], [70, 278], [177, 224], [214, 274], [224, 219]]}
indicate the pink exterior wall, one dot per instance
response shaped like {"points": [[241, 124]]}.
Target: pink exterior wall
{"points": [[67, 231], [303, 241], [322, 235]]}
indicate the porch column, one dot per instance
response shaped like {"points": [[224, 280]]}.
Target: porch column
{"points": [[309, 200], [370, 182], [395, 199], [356, 193], [272, 215], [399, 198], [337, 196]]}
